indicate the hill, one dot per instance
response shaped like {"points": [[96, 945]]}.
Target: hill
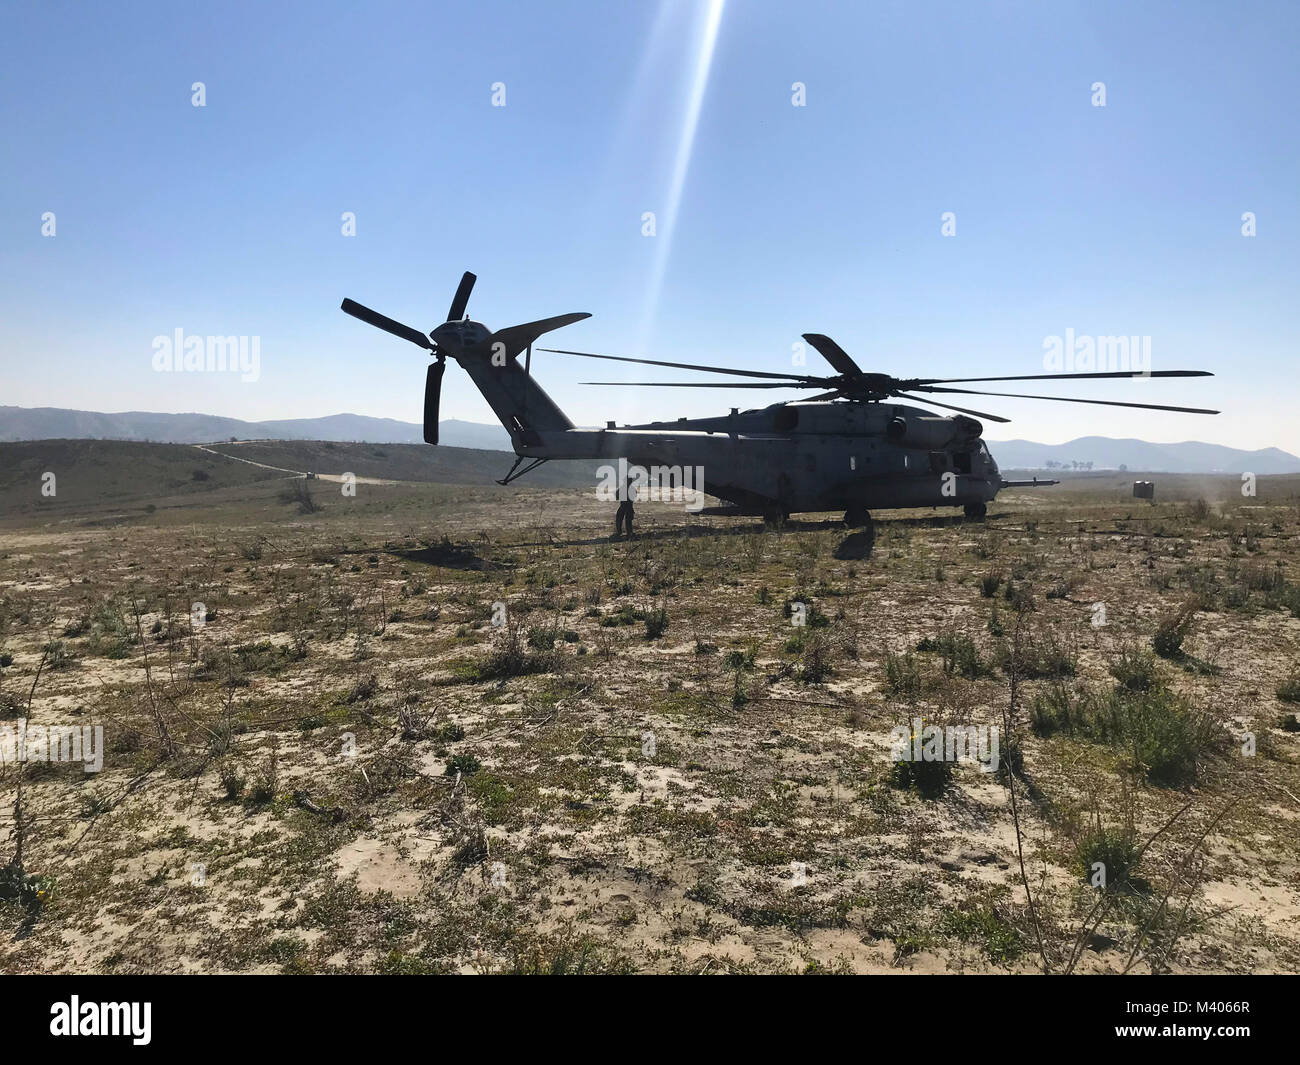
{"points": [[1104, 452], [56, 423], [91, 474]]}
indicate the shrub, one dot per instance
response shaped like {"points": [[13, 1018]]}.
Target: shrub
{"points": [[816, 664], [958, 654], [511, 658], [656, 623], [1174, 629], [1167, 737], [232, 780], [263, 790], [1136, 670], [31, 891], [57, 655], [1116, 850], [542, 638], [901, 674], [1056, 709], [299, 494], [929, 778], [464, 764]]}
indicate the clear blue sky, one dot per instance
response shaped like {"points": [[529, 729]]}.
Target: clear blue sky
{"points": [[226, 219]]}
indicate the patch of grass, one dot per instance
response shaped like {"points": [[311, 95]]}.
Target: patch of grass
{"points": [[1041, 655], [1167, 739], [566, 954], [985, 926], [902, 677], [958, 654]]}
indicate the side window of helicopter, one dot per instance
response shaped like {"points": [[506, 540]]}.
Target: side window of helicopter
{"points": [[961, 461], [938, 461]]}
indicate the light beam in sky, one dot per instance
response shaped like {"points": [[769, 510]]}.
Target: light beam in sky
{"points": [[666, 222]]}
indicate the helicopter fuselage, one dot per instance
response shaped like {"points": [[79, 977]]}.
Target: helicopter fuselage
{"points": [[802, 457]]}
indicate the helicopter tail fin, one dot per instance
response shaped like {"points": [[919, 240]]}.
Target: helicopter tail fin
{"points": [[518, 401]]}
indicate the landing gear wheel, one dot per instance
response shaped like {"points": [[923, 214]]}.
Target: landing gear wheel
{"points": [[975, 510], [857, 517], [775, 516]]}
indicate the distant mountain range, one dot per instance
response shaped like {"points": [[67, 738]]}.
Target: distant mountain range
{"points": [[1103, 452], [55, 423], [52, 423]]}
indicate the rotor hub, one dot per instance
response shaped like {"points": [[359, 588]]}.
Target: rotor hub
{"points": [[458, 336]]}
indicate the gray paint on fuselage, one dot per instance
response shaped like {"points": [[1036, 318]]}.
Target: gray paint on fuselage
{"points": [[837, 456]]}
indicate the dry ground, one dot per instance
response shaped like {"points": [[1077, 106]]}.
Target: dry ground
{"points": [[348, 767]]}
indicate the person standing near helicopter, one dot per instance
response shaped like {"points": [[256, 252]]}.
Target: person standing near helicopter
{"points": [[626, 496]]}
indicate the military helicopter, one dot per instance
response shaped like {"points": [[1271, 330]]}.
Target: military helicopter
{"points": [[851, 447]]}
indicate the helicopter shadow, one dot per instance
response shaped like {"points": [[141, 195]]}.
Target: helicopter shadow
{"points": [[684, 532]]}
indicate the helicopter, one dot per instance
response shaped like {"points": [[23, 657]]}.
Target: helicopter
{"points": [[851, 447]]}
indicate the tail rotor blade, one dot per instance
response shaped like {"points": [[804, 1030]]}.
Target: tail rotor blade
{"points": [[461, 298], [432, 394], [388, 325]]}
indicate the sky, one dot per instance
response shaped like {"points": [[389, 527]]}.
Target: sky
{"points": [[776, 212]]}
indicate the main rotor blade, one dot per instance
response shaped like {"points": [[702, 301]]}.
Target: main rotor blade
{"points": [[706, 384], [518, 337], [385, 323], [686, 365], [961, 410], [1062, 376], [1069, 399], [461, 298], [833, 353]]}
